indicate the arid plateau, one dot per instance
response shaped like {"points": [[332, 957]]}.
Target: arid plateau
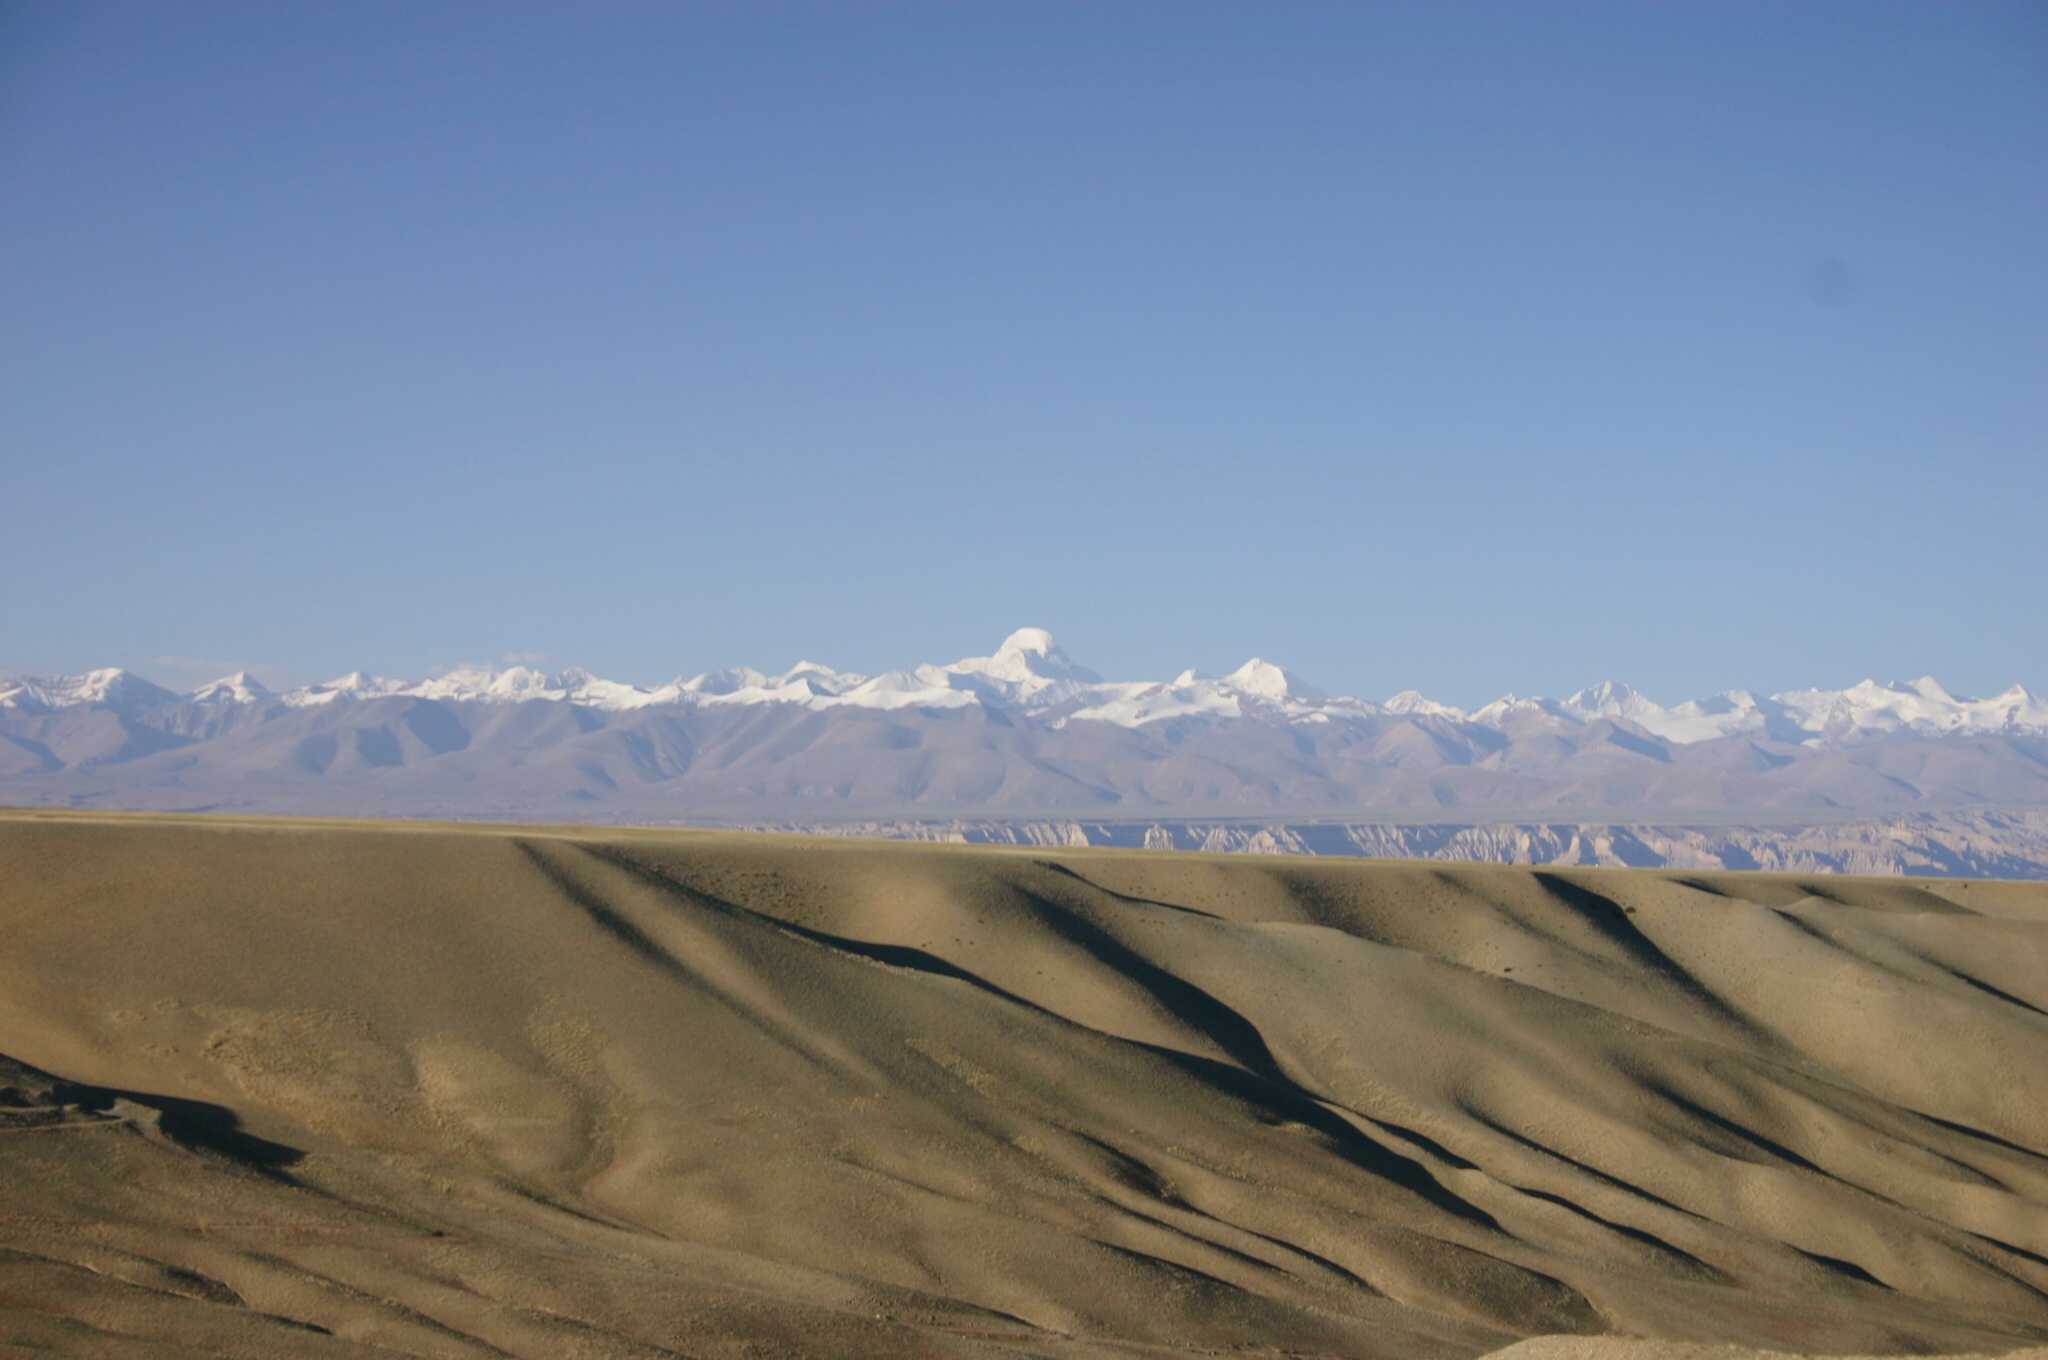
{"points": [[346, 1089]]}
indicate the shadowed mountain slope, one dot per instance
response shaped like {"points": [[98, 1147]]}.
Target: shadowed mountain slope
{"points": [[301, 1088], [404, 755]]}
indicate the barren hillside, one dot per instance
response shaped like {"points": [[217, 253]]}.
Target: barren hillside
{"points": [[331, 1089]]}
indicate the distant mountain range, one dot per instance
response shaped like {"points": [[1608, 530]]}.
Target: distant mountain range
{"points": [[1022, 733]]}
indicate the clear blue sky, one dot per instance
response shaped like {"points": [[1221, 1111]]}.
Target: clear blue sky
{"points": [[1452, 346]]}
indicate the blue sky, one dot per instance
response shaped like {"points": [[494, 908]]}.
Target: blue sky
{"points": [[1462, 347]]}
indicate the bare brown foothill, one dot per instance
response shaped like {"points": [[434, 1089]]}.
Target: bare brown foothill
{"points": [[286, 1087]]}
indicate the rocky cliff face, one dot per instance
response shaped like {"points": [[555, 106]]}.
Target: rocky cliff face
{"points": [[2004, 843]]}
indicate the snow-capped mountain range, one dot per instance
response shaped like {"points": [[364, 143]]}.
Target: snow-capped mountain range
{"points": [[1024, 735], [1031, 675]]}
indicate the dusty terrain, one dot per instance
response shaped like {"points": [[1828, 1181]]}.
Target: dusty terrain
{"points": [[325, 1089]]}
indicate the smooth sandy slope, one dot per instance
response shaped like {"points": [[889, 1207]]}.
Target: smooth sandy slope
{"points": [[329, 1089]]}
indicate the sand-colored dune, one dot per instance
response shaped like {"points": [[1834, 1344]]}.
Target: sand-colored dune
{"points": [[329, 1089]]}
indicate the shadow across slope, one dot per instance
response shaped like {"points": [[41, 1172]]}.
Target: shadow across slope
{"points": [[528, 1091]]}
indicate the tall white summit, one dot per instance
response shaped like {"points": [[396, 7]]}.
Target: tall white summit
{"points": [[1027, 654], [1269, 681]]}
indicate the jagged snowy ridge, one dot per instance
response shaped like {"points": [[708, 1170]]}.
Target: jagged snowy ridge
{"points": [[1030, 673]]}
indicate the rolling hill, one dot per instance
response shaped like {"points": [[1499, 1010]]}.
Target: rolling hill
{"points": [[333, 1089]]}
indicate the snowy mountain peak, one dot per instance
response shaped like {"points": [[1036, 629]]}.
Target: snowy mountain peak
{"points": [[239, 688], [1612, 699], [817, 679], [1034, 651], [1029, 660], [354, 685], [1603, 697], [1500, 708], [730, 681], [1412, 703], [1034, 640], [110, 687], [1269, 681]]}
